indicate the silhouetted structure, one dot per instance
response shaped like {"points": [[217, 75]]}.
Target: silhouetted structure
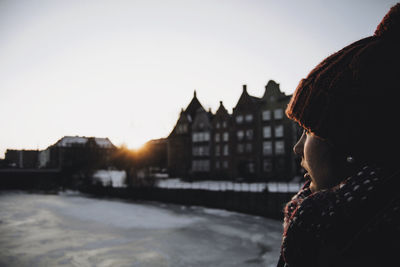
{"points": [[77, 151], [180, 141], [253, 143], [21, 158]]}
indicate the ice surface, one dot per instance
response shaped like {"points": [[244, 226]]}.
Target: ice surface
{"points": [[73, 230]]}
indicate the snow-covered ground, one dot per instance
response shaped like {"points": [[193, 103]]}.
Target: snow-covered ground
{"points": [[73, 230], [226, 185], [116, 178]]}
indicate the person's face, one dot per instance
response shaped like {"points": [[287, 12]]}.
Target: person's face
{"points": [[317, 160]]}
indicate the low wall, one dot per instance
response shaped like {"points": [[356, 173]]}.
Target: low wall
{"points": [[254, 203], [30, 179]]}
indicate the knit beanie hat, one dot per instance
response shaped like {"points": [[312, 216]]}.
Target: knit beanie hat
{"points": [[350, 98]]}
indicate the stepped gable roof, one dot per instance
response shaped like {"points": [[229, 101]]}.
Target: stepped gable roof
{"points": [[193, 106], [247, 100], [221, 109], [273, 92], [68, 141]]}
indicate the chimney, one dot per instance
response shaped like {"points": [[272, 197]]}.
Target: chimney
{"points": [[244, 88], [194, 94], [220, 103]]}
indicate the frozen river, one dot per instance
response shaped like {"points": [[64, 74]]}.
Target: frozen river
{"points": [[74, 230]]}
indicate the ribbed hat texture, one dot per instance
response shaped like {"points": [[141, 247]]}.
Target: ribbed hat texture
{"points": [[350, 98]]}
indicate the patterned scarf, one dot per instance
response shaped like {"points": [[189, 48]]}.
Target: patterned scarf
{"points": [[330, 220]]}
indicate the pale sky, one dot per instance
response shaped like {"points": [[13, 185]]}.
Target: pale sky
{"points": [[124, 69]]}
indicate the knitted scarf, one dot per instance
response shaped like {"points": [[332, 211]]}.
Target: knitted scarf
{"points": [[322, 225]]}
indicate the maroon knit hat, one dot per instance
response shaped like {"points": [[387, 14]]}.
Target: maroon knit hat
{"points": [[350, 98]]}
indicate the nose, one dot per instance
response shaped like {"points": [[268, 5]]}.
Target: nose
{"points": [[298, 148]]}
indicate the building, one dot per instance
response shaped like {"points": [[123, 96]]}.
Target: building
{"points": [[254, 143], [71, 151], [201, 142], [179, 144], [27, 159], [221, 160], [245, 138]]}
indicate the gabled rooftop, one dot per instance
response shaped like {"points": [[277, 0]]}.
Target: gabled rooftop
{"points": [[68, 141]]}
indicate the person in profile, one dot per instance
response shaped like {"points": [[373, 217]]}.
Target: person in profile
{"points": [[348, 211]]}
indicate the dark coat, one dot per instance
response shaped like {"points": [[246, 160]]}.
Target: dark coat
{"points": [[356, 223]]}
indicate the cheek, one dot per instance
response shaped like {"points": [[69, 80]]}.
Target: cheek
{"points": [[316, 154]]}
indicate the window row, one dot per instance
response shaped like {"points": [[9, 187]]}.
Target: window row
{"points": [[202, 165], [268, 166], [266, 116], [224, 124], [224, 164], [201, 136], [246, 118], [241, 134], [278, 114], [201, 151], [182, 128], [279, 148], [278, 131], [241, 148], [225, 137], [225, 150]]}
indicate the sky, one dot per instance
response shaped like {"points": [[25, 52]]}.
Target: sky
{"points": [[125, 69]]}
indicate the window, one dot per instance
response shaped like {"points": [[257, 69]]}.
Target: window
{"points": [[251, 167], [267, 131], [249, 134], [201, 165], [239, 119], [217, 164], [240, 135], [278, 114], [279, 147], [195, 137], [217, 137], [201, 136], [206, 136], [225, 137], [267, 165], [201, 151], [279, 131], [226, 150], [225, 164], [224, 124], [249, 147], [266, 115], [217, 150], [217, 125], [267, 148], [240, 148], [248, 118]]}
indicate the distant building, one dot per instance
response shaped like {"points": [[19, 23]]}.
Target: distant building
{"points": [[179, 145], [253, 143], [156, 155], [72, 150], [222, 159], [27, 159], [202, 132]]}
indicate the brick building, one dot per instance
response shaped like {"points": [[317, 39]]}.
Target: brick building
{"points": [[254, 143]]}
